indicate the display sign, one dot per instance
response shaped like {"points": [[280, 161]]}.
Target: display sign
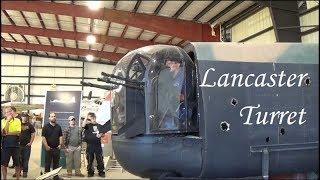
{"points": [[63, 104], [103, 113], [260, 113]]}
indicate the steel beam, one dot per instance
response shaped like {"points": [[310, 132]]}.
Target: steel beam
{"points": [[9, 18], [307, 11], [53, 57], [315, 29], [29, 78], [284, 14], [159, 7], [106, 34], [256, 34], [65, 50], [184, 7], [115, 3], [179, 28], [205, 10], [40, 84], [77, 36], [30, 54], [242, 15], [41, 77], [224, 11], [136, 7], [82, 75]]}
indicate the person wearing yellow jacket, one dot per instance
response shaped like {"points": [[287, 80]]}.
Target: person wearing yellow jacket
{"points": [[10, 131]]}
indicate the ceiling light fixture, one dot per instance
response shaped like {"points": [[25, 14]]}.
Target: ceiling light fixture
{"points": [[94, 5], [91, 39], [89, 57]]}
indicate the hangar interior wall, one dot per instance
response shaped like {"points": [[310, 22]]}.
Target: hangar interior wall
{"points": [[261, 20], [311, 18], [65, 74], [257, 22]]}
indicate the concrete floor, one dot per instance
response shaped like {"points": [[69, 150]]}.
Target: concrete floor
{"points": [[35, 169]]}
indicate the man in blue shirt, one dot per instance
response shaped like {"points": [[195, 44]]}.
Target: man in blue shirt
{"points": [[171, 94]]}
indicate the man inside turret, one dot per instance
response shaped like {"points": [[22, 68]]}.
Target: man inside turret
{"points": [[171, 93]]}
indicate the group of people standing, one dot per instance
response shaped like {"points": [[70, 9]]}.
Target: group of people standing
{"points": [[70, 140], [18, 136]]}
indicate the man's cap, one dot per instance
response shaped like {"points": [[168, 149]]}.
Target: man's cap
{"points": [[24, 115], [171, 54], [71, 117]]}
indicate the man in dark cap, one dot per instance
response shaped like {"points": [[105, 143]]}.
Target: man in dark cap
{"points": [[171, 91], [92, 136], [26, 139], [72, 138]]}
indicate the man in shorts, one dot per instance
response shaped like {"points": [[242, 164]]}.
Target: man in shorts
{"points": [[10, 131]]}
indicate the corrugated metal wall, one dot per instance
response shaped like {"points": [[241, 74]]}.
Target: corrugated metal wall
{"points": [[262, 20], [311, 18], [66, 74], [253, 24]]}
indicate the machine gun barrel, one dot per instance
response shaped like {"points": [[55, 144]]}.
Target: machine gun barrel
{"points": [[116, 83], [106, 87], [121, 78]]}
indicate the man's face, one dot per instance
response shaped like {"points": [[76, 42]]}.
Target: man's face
{"points": [[72, 122], [24, 119], [92, 119], [14, 114], [173, 65], [52, 117], [8, 112]]}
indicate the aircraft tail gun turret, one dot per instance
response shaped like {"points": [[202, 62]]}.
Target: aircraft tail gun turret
{"points": [[106, 87], [200, 102]]}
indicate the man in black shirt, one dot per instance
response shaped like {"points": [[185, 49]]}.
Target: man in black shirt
{"points": [[26, 139], [52, 141], [92, 136]]}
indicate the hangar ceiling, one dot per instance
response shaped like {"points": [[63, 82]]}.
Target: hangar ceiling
{"points": [[60, 28]]}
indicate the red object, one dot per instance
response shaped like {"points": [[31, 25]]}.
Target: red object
{"points": [[106, 138], [47, 48], [108, 96], [78, 36], [187, 30]]}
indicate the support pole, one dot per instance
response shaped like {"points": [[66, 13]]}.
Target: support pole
{"points": [[265, 164], [29, 78]]}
